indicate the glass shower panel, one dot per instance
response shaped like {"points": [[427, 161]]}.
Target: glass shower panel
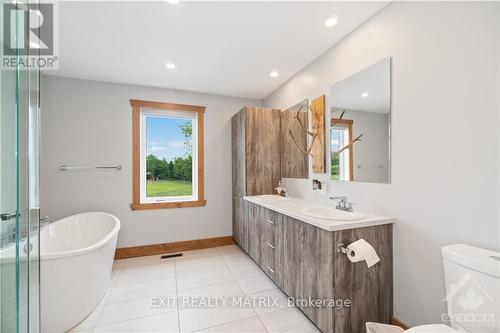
{"points": [[19, 199], [23, 198], [8, 203], [34, 199]]}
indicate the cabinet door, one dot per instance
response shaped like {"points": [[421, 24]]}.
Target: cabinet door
{"points": [[272, 247], [369, 289], [318, 274], [293, 262], [240, 222], [308, 269], [262, 147], [255, 216]]}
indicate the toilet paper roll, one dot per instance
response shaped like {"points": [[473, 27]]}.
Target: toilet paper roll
{"points": [[361, 250]]}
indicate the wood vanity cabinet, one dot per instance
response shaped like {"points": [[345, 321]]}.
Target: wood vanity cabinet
{"points": [[304, 262]]}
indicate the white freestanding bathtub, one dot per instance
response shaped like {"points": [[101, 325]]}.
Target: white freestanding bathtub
{"points": [[76, 261]]}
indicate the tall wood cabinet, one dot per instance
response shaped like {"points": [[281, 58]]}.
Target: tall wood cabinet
{"points": [[256, 163]]}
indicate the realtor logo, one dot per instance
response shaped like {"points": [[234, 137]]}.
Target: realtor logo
{"points": [[29, 36], [470, 306]]}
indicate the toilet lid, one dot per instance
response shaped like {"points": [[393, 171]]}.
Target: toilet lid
{"points": [[432, 329]]}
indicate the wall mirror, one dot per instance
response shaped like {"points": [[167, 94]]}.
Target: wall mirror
{"points": [[360, 123], [294, 156]]}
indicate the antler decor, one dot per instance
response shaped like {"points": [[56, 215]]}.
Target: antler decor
{"points": [[313, 135], [350, 144], [338, 120]]}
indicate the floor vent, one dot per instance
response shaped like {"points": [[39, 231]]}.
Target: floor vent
{"points": [[173, 255]]}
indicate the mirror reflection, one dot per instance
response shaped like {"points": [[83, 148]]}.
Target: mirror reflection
{"points": [[360, 116]]}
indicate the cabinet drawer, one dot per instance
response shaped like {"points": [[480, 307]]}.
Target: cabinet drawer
{"points": [[272, 247], [271, 225], [271, 261]]}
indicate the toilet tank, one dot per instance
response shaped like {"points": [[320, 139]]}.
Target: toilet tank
{"points": [[472, 277]]}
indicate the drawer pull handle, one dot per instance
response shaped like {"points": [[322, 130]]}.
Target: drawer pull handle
{"points": [[272, 222], [270, 269], [271, 246]]}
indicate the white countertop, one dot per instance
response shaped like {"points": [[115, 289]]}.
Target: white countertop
{"points": [[292, 208]]}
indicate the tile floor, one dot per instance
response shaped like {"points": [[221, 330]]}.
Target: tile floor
{"points": [[150, 294]]}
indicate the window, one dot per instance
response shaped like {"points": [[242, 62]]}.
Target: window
{"points": [[340, 137], [167, 155]]}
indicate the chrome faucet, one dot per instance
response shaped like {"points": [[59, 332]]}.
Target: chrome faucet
{"points": [[342, 203], [44, 221], [316, 184], [281, 189]]}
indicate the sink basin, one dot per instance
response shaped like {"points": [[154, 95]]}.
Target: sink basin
{"points": [[271, 198], [328, 213]]}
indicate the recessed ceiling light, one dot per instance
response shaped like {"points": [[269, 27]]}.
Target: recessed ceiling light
{"points": [[331, 22], [173, 2], [364, 95], [274, 74], [170, 65]]}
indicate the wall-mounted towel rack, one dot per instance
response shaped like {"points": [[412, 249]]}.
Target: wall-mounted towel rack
{"points": [[67, 168], [372, 167]]}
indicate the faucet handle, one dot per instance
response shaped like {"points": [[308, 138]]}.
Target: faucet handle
{"points": [[342, 198]]}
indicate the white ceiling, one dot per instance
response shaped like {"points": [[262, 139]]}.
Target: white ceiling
{"points": [[375, 81], [225, 48]]}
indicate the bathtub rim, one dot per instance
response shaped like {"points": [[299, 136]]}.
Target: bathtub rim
{"points": [[91, 248]]}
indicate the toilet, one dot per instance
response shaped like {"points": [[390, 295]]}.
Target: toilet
{"points": [[472, 277]]}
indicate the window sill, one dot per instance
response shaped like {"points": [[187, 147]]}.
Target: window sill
{"points": [[163, 205]]}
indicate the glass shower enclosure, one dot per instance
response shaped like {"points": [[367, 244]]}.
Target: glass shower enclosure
{"points": [[19, 182]]}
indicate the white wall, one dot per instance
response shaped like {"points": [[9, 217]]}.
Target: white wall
{"points": [[445, 130], [90, 123]]}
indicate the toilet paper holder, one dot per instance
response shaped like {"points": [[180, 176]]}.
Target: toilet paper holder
{"points": [[344, 249]]}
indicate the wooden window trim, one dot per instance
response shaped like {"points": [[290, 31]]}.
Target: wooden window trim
{"points": [[348, 123], [136, 154]]}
